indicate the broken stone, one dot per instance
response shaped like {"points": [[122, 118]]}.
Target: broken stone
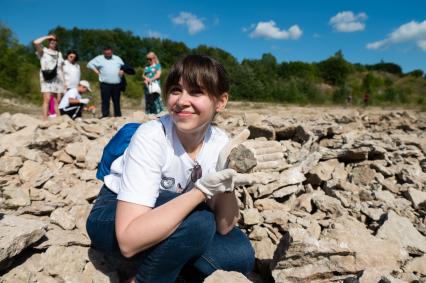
{"points": [[373, 213], [77, 150], [363, 175], [16, 234], [261, 130], [9, 165], [251, 216], [73, 260], [416, 197], [386, 197], [258, 233], [34, 173], [256, 155], [286, 191], [16, 197], [64, 157], [64, 238], [63, 218], [322, 172], [328, 204], [278, 217], [268, 204], [401, 230], [221, 276], [264, 249], [417, 265]]}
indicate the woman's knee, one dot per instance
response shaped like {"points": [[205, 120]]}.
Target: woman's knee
{"points": [[231, 252], [100, 224], [198, 229]]}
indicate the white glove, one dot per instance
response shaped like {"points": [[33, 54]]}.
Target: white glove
{"points": [[217, 182], [222, 161], [84, 100]]}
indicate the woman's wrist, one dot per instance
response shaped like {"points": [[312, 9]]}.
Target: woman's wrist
{"points": [[199, 194]]}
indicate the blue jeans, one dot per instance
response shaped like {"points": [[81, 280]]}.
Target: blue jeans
{"points": [[195, 243]]}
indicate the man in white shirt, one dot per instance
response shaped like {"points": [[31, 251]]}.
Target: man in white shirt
{"points": [[108, 67], [72, 103]]}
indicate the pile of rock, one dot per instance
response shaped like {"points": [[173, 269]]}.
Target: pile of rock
{"points": [[329, 197], [48, 182], [335, 198]]}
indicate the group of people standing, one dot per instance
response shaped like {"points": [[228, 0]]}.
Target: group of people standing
{"points": [[62, 88]]}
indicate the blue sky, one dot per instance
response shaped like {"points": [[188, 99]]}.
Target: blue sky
{"points": [[367, 31]]}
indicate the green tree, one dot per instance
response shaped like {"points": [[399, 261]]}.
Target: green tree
{"points": [[18, 66], [386, 67], [335, 69], [416, 73], [298, 69]]}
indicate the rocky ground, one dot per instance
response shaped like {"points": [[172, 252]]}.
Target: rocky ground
{"points": [[332, 195]]}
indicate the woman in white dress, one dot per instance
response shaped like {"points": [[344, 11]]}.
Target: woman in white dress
{"points": [[49, 58], [72, 72]]}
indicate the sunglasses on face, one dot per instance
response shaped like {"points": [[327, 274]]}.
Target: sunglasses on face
{"points": [[196, 173]]}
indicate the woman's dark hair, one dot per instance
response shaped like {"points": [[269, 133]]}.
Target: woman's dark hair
{"points": [[199, 72], [72, 52]]}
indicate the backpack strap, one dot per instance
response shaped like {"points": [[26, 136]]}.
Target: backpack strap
{"points": [[116, 147], [162, 125]]}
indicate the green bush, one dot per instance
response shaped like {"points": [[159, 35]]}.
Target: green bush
{"points": [[341, 93], [372, 83]]}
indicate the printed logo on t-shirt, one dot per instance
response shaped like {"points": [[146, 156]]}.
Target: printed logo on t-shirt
{"points": [[167, 183]]}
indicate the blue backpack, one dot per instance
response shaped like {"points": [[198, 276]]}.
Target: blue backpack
{"points": [[115, 148]]}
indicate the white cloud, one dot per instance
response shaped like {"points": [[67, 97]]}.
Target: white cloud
{"points": [[422, 44], [295, 32], [192, 22], [155, 34], [409, 32], [245, 29], [271, 31], [347, 21], [376, 44]]}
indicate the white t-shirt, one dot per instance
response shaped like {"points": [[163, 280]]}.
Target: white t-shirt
{"points": [[71, 74], [156, 160], [65, 101]]}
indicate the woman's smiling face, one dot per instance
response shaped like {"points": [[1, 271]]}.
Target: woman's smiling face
{"points": [[193, 109]]}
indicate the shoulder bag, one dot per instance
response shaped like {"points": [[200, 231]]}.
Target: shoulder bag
{"points": [[51, 74], [154, 87]]}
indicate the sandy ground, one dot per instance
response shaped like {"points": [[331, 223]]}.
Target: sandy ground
{"points": [[233, 108]]}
